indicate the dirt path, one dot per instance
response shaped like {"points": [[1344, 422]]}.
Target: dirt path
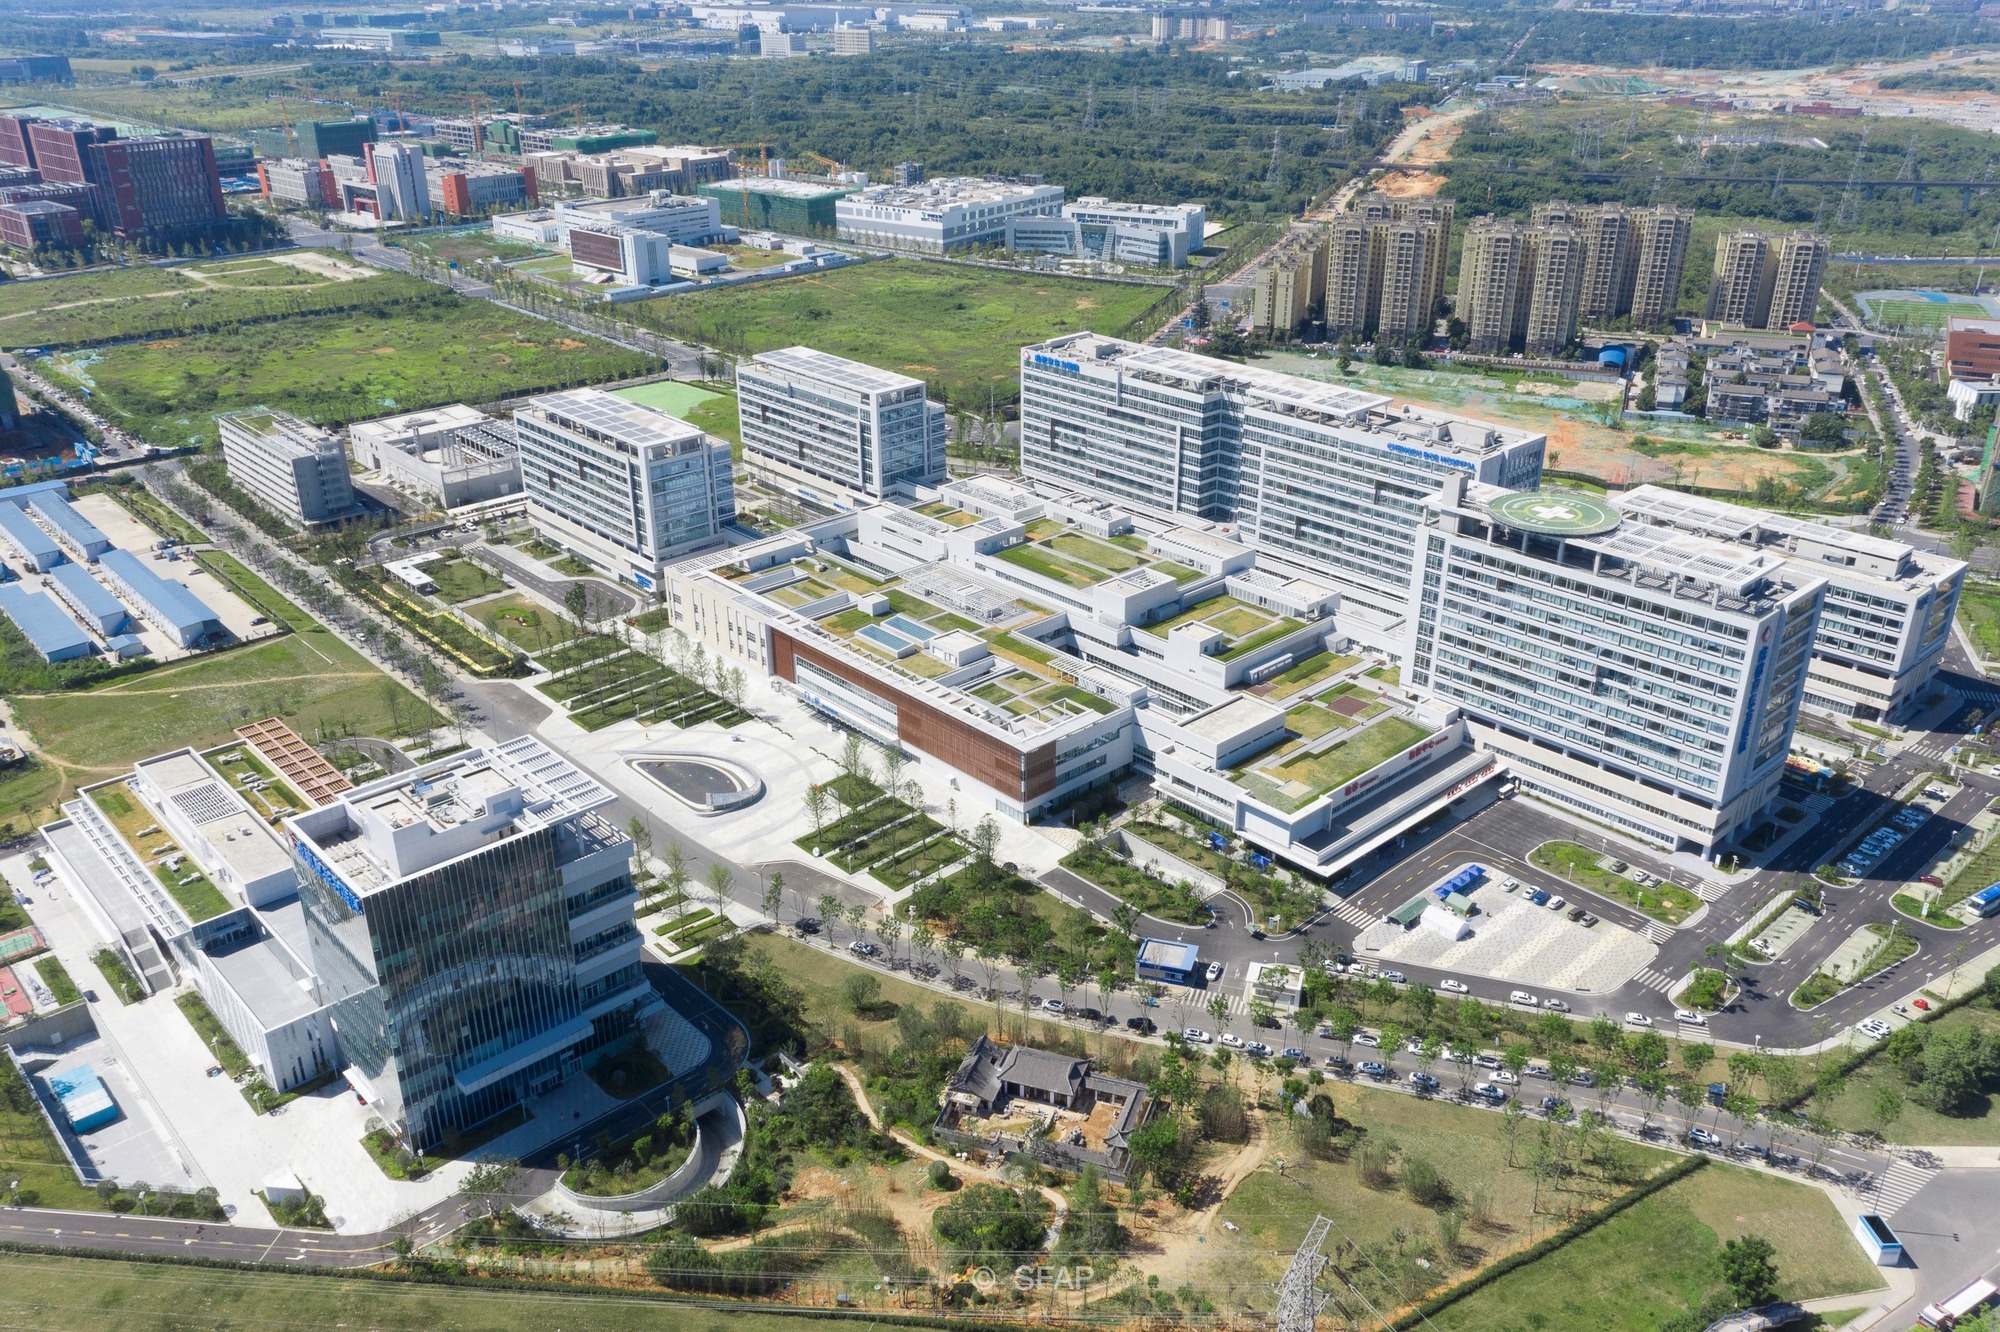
{"points": [[1180, 1242], [854, 1084]]}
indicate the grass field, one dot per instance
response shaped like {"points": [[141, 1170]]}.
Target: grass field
{"points": [[1979, 616], [706, 408], [1922, 314], [959, 329], [314, 681], [1853, 1108], [462, 580], [340, 367], [524, 622], [1656, 1259], [155, 302], [96, 1295]]}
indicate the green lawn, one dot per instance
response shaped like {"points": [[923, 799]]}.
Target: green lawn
{"points": [[1854, 1108], [958, 329], [238, 578], [1350, 758], [668, 395], [1665, 902], [1034, 558], [525, 622], [94, 1295], [462, 580], [140, 308], [1922, 314], [1309, 672], [313, 680], [32, 1156], [1111, 559], [1979, 615], [337, 368], [1656, 1260]]}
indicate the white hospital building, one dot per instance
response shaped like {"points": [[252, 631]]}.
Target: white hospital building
{"points": [[627, 487], [836, 430], [949, 213]]}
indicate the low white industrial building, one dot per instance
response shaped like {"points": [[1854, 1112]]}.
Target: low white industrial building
{"points": [[450, 456]]}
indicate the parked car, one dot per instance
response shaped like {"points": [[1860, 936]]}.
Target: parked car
{"points": [[1369, 1039], [1056, 1006], [1423, 1081], [1339, 1065], [1523, 998], [1700, 1137], [1555, 1005], [1687, 1017], [1486, 1060], [862, 948], [1489, 1092], [1539, 1071], [1396, 976], [1583, 1077], [1145, 1026], [1553, 1105], [1874, 1029], [1558, 903], [1291, 1052], [1931, 879], [1587, 920], [1638, 1020], [1214, 972], [1196, 1036], [1455, 986], [1509, 885], [1377, 1071], [1538, 897], [1502, 1075], [1923, 1005], [807, 925], [1576, 913], [1232, 1040]]}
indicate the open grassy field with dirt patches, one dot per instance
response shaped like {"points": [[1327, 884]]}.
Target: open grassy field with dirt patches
{"points": [[959, 329], [417, 348]]}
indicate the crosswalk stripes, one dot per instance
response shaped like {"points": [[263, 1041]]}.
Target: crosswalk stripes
{"points": [[1656, 932], [1354, 914], [1658, 980], [1710, 891], [1896, 1186]]}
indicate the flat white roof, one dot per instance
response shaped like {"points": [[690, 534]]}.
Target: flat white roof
{"points": [[619, 418], [837, 370]]}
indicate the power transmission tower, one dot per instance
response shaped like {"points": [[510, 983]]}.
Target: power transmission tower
{"points": [[1274, 176], [1299, 1296], [1846, 213], [1090, 107]]}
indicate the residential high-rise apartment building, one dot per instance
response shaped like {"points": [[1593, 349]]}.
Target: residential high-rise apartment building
{"points": [[630, 487], [1493, 268], [1290, 286], [291, 467], [1385, 267], [1765, 281], [1609, 235], [470, 922], [822, 421], [1659, 257], [1558, 260], [1645, 677], [1328, 476]]}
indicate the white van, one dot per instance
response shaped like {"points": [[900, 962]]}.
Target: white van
{"points": [[1523, 998]]}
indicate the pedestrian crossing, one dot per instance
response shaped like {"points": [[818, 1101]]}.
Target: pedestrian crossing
{"points": [[1656, 932], [1897, 1185], [1355, 914], [1655, 979], [1709, 891]]}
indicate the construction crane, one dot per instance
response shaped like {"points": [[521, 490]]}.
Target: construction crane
{"points": [[833, 168], [285, 119], [478, 130]]}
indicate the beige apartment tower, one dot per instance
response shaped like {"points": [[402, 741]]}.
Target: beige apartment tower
{"points": [[1764, 281], [1659, 257], [1491, 283], [1291, 287], [1385, 267], [1554, 267]]}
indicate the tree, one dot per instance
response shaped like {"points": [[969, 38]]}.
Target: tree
{"points": [[1887, 1107], [1218, 1009], [720, 880], [774, 894], [862, 992], [1748, 1271], [994, 1224], [488, 1181], [829, 911], [816, 807]]}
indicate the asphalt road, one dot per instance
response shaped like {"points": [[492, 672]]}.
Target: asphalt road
{"points": [[1951, 1234]]}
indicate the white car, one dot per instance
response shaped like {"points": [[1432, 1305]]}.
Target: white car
{"points": [[1504, 1076], [1455, 986], [1687, 1017], [1369, 1039], [1638, 1020], [1196, 1036], [1214, 972], [1489, 1092], [1555, 1005], [1874, 1029], [1486, 1061], [1510, 885], [1232, 1040], [1054, 1006], [1557, 903]]}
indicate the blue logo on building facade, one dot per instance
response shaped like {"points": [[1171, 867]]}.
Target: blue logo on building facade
{"points": [[1055, 363], [1429, 456]]}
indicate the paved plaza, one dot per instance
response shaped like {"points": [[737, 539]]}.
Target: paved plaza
{"points": [[1515, 940]]}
